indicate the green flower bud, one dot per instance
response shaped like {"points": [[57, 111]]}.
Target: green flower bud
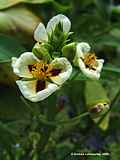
{"points": [[97, 102], [95, 94], [69, 51], [58, 38], [99, 109], [41, 51]]}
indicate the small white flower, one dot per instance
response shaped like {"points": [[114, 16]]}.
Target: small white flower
{"points": [[41, 33], [88, 62], [42, 78]]}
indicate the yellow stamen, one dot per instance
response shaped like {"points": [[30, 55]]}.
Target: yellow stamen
{"points": [[41, 70], [90, 61]]}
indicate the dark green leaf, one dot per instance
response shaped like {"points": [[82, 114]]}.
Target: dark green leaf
{"points": [[104, 8], [107, 40], [11, 106], [9, 47], [112, 68]]}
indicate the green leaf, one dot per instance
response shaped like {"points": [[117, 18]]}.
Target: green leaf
{"points": [[104, 8], [7, 77], [61, 8], [9, 47], [115, 150], [11, 106], [18, 21], [98, 157], [115, 9], [113, 69], [9, 3], [7, 136], [108, 40]]}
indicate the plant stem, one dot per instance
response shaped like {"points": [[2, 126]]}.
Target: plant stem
{"points": [[56, 123], [51, 112]]}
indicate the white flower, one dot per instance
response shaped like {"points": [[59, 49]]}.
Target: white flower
{"points": [[42, 79], [88, 62], [41, 33]]}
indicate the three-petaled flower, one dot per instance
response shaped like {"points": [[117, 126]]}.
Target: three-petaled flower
{"points": [[87, 61], [42, 79]]}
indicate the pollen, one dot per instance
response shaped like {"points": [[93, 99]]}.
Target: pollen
{"points": [[41, 70], [90, 61]]}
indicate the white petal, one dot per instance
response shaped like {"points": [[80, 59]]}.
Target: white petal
{"points": [[40, 34], [100, 64], [81, 64], [82, 48], [93, 74], [20, 65], [55, 20], [51, 88], [64, 64], [28, 89]]}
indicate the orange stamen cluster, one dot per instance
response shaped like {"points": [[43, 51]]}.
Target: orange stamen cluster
{"points": [[41, 70], [90, 61]]}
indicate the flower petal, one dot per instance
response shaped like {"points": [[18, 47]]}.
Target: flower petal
{"points": [[66, 70], [100, 64], [82, 48], [28, 89], [55, 20], [20, 65], [40, 34], [93, 74]]}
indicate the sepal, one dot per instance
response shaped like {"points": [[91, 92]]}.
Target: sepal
{"points": [[41, 52], [69, 51]]}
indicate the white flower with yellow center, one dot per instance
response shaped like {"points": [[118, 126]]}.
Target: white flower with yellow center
{"points": [[87, 61], [41, 33], [40, 79]]}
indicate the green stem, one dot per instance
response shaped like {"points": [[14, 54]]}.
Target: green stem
{"points": [[56, 123], [6, 128], [73, 119], [49, 122], [51, 112], [75, 75]]}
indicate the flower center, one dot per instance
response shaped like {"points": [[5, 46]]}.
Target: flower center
{"points": [[43, 70], [90, 61]]}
